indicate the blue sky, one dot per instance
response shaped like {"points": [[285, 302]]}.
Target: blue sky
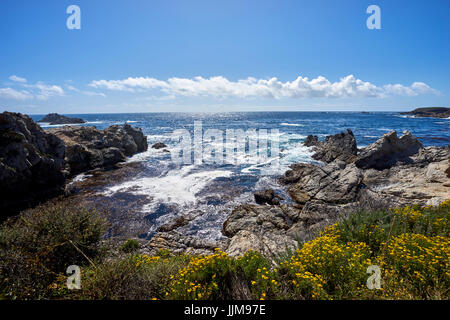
{"points": [[145, 56]]}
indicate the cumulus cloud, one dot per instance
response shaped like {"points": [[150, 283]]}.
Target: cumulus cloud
{"points": [[302, 87], [88, 93], [40, 90], [9, 93], [17, 79], [45, 91]]}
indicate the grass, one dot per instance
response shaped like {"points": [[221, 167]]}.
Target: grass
{"points": [[410, 245]]}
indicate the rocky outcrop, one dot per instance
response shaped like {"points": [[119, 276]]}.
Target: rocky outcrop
{"points": [[336, 182], [392, 172], [341, 146], [88, 147], [54, 118], [388, 150], [159, 145], [434, 112], [31, 163]]}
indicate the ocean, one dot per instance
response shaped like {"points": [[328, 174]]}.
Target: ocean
{"points": [[207, 192]]}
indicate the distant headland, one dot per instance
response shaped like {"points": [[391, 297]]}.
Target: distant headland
{"points": [[434, 112], [54, 118]]}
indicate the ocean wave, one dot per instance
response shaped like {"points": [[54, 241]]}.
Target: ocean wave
{"points": [[291, 124], [178, 186]]}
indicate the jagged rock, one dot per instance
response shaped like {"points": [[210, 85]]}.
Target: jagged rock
{"points": [[255, 218], [341, 146], [258, 227], [333, 183], [31, 162], [268, 244], [54, 118], [175, 224], [267, 196], [311, 141], [88, 147], [415, 182], [159, 145], [388, 150]]}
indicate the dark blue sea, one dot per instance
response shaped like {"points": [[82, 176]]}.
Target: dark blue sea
{"points": [[207, 192]]}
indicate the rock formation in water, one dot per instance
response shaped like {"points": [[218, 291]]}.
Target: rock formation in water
{"points": [[341, 146], [88, 147], [434, 112], [54, 118], [34, 163]]}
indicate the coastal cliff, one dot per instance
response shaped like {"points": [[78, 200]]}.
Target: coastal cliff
{"points": [[34, 163]]}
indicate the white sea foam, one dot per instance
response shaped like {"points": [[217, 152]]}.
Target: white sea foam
{"points": [[385, 129], [178, 186], [80, 177], [292, 124]]}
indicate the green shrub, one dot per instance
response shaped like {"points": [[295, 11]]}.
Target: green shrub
{"points": [[39, 244], [133, 277], [131, 245]]}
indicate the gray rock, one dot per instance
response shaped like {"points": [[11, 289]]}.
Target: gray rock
{"points": [[267, 196], [311, 141], [88, 147], [331, 183], [388, 150], [341, 146]]}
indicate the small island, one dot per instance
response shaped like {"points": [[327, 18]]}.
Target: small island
{"points": [[54, 118], [432, 112]]}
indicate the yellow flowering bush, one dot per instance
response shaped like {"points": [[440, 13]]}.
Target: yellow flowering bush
{"points": [[330, 265], [420, 261], [199, 279]]}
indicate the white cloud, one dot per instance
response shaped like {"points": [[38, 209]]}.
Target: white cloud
{"points": [[72, 88], [92, 94], [17, 79], [302, 87], [9, 93], [45, 91], [88, 93]]}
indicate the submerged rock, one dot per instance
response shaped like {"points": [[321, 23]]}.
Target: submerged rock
{"points": [[54, 118], [159, 145], [88, 147], [31, 163]]}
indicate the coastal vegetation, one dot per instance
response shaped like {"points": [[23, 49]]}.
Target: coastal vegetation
{"points": [[410, 245]]}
